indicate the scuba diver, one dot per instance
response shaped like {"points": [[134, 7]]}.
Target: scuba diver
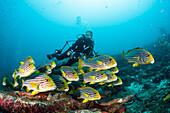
{"points": [[83, 48]]}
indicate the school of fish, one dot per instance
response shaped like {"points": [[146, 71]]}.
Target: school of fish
{"points": [[99, 70]]}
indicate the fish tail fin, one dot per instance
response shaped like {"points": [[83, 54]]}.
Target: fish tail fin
{"points": [[4, 81], [36, 72], [14, 74], [22, 87], [15, 82], [71, 92], [123, 56], [81, 62]]}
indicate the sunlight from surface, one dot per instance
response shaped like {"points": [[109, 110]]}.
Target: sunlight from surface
{"points": [[91, 13]]}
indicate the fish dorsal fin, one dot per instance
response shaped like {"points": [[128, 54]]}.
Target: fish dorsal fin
{"points": [[129, 51], [138, 48], [101, 55], [66, 66], [134, 49], [85, 94], [92, 77], [95, 57], [91, 59], [100, 62], [22, 63], [80, 88], [33, 84]]}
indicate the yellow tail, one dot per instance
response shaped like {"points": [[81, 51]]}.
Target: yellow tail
{"points": [[123, 56], [80, 63], [71, 92]]}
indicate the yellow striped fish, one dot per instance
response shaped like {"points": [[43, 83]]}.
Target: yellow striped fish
{"points": [[39, 83], [25, 70]]}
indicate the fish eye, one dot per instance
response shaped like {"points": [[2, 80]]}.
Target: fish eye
{"points": [[47, 80], [110, 59], [62, 82], [95, 93], [148, 55]]}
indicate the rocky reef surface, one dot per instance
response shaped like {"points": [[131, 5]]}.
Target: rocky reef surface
{"points": [[144, 90]]}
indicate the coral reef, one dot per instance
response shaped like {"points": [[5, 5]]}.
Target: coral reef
{"points": [[15, 101]]}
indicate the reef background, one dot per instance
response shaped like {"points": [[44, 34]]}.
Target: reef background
{"points": [[143, 90]]}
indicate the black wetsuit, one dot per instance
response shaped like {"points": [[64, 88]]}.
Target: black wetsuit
{"points": [[82, 45]]}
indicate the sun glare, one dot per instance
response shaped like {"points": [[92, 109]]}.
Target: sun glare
{"points": [[90, 12]]}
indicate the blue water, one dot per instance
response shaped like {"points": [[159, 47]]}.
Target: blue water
{"points": [[24, 31]]}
